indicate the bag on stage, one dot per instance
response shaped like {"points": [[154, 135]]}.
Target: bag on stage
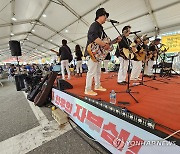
{"points": [[42, 96]]}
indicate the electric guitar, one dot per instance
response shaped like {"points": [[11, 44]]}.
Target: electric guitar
{"points": [[97, 52], [59, 58], [55, 51]]}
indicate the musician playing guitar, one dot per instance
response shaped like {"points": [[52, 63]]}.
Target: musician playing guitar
{"points": [[123, 46], [137, 61], [96, 34], [151, 55]]}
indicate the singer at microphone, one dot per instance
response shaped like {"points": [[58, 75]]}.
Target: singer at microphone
{"points": [[135, 32], [112, 21]]}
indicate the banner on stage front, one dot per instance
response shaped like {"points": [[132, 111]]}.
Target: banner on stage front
{"points": [[115, 134], [172, 42]]}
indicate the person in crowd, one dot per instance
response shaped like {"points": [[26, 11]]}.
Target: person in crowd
{"points": [[79, 55], [65, 56], [124, 44]]}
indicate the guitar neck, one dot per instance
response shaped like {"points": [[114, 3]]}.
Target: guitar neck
{"points": [[54, 51], [113, 41]]}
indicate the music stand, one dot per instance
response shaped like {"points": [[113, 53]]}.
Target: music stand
{"points": [[171, 69], [128, 90]]}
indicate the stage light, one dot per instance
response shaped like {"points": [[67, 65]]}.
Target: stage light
{"points": [[44, 15], [140, 120], [13, 18], [122, 112], [149, 124]]}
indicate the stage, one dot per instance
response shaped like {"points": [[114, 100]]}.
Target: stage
{"points": [[160, 106]]}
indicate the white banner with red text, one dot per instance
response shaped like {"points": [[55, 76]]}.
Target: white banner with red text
{"points": [[115, 134]]}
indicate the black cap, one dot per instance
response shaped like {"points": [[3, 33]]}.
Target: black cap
{"points": [[101, 12], [157, 39], [145, 37]]}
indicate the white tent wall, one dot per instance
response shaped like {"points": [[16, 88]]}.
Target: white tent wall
{"points": [[70, 19]]}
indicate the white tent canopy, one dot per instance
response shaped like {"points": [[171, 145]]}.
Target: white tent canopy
{"points": [[40, 25]]}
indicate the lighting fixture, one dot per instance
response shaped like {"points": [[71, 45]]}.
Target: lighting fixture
{"points": [[13, 18], [122, 112], [44, 15]]}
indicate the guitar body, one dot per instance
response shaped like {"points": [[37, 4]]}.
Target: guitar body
{"points": [[98, 53], [127, 52], [141, 55], [43, 94]]}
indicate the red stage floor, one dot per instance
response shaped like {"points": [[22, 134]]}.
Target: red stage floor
{"points": [[162, 105]]}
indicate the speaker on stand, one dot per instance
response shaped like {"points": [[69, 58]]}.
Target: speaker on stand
{"points": [[15, 48]]}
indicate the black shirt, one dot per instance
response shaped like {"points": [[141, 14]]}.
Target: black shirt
{"points": [[95, 31], [65, 52], [124, 43], [79, 55], [153, 50], [108, 57]]}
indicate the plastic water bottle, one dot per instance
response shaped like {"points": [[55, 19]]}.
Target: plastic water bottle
{"points": [[113, 97], [135, 84]]}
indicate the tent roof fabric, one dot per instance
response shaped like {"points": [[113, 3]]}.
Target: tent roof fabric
{"points": [[70, 19]]}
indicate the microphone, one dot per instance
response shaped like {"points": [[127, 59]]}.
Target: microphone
{"points": [[135, 32], [112, 21]]}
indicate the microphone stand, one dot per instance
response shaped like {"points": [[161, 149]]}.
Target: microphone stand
{"points": [[142, 79], [128, 90]]}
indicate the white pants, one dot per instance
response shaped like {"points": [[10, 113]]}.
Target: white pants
{"points": [[94, 71], [136, 69], [122, 70], [79, 66], [148, 70], [106, 65], [65, 64]]}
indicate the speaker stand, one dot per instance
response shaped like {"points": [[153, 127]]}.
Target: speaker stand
{"points": [[19, 72]]}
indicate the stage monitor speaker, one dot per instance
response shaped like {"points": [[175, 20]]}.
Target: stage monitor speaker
{"points": [[63, 85], [103, 69], [15, 48]]}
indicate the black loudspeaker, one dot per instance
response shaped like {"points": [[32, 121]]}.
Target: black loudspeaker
{"points": [[63, 85], [15, 48], [20, 83]]}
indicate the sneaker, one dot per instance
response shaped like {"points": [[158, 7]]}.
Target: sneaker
{"points": [[122, 83], [100, 88], [137, 79], [91, 93]]}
